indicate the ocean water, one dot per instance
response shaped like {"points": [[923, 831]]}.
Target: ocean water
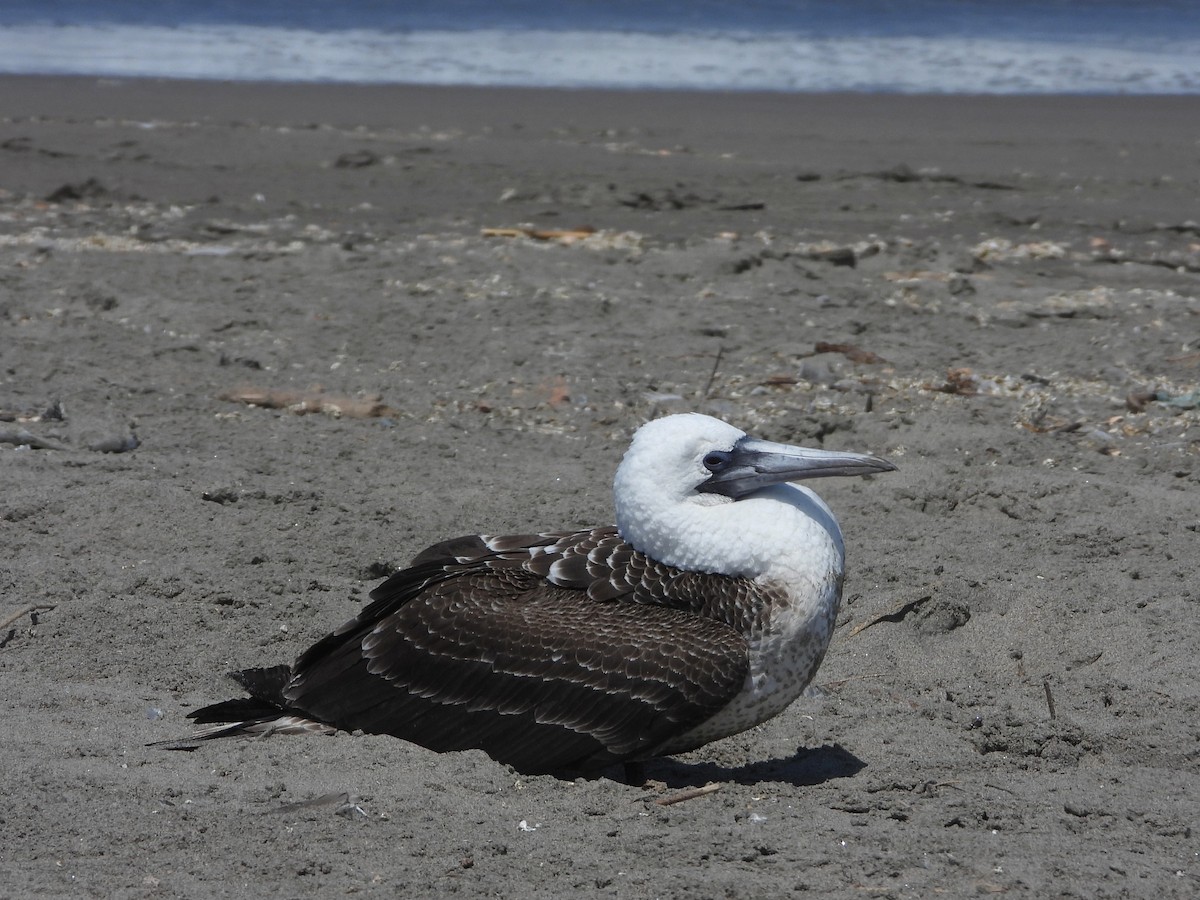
{"points": [[939, 46]]}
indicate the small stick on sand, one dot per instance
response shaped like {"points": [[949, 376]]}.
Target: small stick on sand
{"points": [[895, 614], [31, 608], [1049, 696], [712, 376], [690, 794]]}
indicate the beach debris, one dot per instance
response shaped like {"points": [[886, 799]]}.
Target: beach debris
{"points": [[583, 236], [108, 438], [23, 437], [1188, 226], [666, 199], [561, 235], [224, 228], [1049, 696], [895, 614], [691, 794], [636, 149], [524, 825], [356, 159], [51, 412], [1137, 401], [1190, 400], [1185, 260], [840, 254], [916, 276], [958, 285], [712, 376], [1041, 423], [852, 352], [339, 800], [778, 380], [31, 610], [90, 189], [902, 173], [1001, 249], [557, 392], [552, 392], [21, 144], [965, 383], [1084, 661], [313, 400], [1094, 303]]}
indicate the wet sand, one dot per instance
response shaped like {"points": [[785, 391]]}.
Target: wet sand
{"points": [[1002, 295]]}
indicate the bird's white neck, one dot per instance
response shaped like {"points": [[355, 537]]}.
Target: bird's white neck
{"points": [[785, 532]]}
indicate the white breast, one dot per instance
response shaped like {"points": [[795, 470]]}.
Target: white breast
{"points": [[787, 650]]}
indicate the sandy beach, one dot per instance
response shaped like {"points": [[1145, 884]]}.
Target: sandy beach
{"points": [[262, 344]]}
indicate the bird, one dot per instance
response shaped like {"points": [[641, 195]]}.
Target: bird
{"points": [[706, 610]]}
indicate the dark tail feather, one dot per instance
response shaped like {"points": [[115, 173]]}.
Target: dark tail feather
{"points": [[265, 684], [235, 711], [263, 712], [265, 687]]}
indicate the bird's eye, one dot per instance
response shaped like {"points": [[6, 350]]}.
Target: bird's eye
{"points": [[716, 460]]}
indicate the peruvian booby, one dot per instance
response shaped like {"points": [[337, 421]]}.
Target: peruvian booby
{"points": [[705, 611]]}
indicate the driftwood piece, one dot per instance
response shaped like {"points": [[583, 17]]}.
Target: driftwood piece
{"points": [[562, 235], [313, 400], [19, 436]]}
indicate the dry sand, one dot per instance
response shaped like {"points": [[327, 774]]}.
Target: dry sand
{"points": [[1000, 294]]}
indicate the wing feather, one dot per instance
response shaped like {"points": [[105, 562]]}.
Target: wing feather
{"points": [[564, 650], [547, 651]]}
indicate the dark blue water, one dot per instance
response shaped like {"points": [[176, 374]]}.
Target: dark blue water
{"points": [[1059, 19], [940, 45]]}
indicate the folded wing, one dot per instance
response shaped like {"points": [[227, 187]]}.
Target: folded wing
{"points": [[545, 651]]}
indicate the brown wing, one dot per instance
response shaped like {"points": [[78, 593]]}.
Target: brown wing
{"points": [[545, 651]]}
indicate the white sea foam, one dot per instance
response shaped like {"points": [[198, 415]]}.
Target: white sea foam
{"points": [[743, 61]]}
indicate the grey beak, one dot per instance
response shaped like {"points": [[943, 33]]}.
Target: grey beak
{"points": [[753, 464]]}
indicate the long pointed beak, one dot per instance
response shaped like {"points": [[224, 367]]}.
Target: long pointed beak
{"points": [[754, 464]]}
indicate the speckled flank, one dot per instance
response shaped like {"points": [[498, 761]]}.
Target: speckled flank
{"points": [[784, 657]]}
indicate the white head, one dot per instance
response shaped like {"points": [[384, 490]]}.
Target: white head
{"points": [[697, 493]]}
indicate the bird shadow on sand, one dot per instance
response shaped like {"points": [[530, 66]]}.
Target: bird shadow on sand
{"points": [[808, 766]]}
